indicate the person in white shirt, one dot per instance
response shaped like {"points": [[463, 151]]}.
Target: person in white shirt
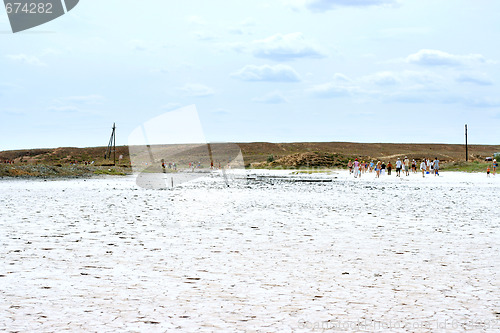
{"points": [[398, 168], [423, 167]]}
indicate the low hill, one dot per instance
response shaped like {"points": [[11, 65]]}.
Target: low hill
{"points": [[69, 161], [258, 152]]}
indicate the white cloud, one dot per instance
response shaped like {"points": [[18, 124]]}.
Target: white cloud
{"points": [[388, 86], [204, 35], [439, 58], [407, 98], [243, 27], [220, 112], [51, 52], [340, 86], [236, 31], [271, 98], [138, 45], [171, 106], [481, 102], [76, 103], [404, 78], [88, 99], [195, 19], [333, 90], [325, 5], [248, 22], [197, 90], [341, 78], [4, 87], [474, 78], [383, 79], [287, 47], [64, 108], [277, 73], [26, 59]]}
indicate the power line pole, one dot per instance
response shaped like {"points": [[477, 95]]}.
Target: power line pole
{"points": [[111, 146], [466, 146], [114, 144]]}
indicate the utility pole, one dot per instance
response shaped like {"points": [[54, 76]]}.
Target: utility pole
{"points": [[466, 146], [114, 144], [111, 146]]}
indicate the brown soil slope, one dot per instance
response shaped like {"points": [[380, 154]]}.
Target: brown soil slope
{"points": [[336, 152]]}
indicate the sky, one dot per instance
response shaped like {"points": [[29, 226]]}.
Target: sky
{"points": [[413, 71]]}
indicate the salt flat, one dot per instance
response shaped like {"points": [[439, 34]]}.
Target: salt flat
{"points": [[103, 255]]}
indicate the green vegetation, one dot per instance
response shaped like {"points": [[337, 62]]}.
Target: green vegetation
{"points": [[270, 158], [475, 166], [112, 172]]}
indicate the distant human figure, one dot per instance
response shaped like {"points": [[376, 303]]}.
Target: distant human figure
{"points": [[356, 168], [349, 165], [377, 169], [428, 163], [495, 165], [407, 166], [414, 166], [371, 166], [488, 172], [423, 167], [382, 169], [389, 168], [399, 164], [436, 166]]}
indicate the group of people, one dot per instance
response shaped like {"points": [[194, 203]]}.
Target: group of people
{"points": [[494, 166], [170, 165], [214, 165], [427, 166], [8, 161]]}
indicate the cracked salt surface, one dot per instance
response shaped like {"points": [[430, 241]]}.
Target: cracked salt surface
{"points": [[104, 255]]}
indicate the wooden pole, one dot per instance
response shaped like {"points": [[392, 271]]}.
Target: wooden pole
{"points": [[114, 144], [466, 146]]}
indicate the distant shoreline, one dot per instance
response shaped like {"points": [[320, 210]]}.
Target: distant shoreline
{"points": [[42, 171], [87, 162]]}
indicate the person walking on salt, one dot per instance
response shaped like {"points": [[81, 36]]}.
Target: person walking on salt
{"points": [[356, 168], [407, 166], [398, 167], [423, 167], [436, 167]]}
